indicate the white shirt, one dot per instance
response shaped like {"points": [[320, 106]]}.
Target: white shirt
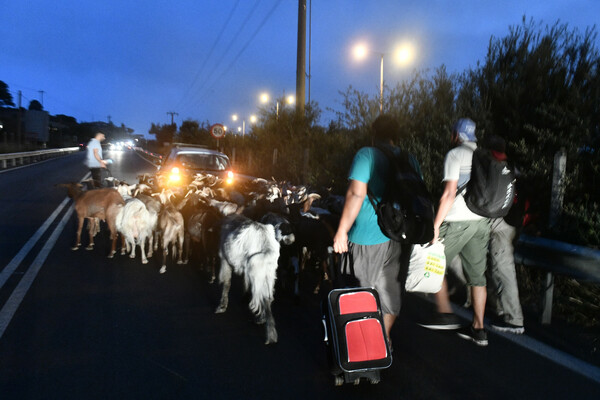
{"points": [[457, 167], [91, 161]]}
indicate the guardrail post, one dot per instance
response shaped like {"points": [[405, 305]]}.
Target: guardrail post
{"points": [[547, 299], [558, 186]]}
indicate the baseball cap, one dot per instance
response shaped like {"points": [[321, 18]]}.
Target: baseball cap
{"points": [[465, 128]]}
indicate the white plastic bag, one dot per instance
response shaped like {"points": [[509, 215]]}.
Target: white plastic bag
{"points": [[427, 268]]}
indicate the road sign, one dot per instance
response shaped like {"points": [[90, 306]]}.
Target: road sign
{"points": [[217, 131]]}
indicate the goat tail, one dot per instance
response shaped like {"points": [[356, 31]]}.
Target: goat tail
{"points": [[260, 276]]}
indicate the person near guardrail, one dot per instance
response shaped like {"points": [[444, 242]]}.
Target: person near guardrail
{"points": [[464, 233], [94, 159], [503, 289]]}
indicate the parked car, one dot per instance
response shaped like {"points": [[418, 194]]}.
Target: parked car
{"points": [[183, 161]]}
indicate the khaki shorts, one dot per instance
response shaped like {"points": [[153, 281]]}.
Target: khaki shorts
{"points": [[469, 239]]}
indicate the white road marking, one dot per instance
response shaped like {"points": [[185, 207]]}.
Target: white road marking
{"points": [[10, 268], [13, 302], [556, 356]]}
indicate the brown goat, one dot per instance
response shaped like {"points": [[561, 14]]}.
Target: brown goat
{"points": [[98, 204]]}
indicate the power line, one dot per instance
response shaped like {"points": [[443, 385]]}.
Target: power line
{"points": [[227, 20], [231, 42], [263, 22]]}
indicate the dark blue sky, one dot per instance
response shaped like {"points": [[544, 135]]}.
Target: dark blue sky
{"points": [[206, 60]]}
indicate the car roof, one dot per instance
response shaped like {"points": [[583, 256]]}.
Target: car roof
{"points": [[177, 148]]}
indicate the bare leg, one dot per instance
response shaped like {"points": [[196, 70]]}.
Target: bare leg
{"points": [[479, 296], [442, 299]]}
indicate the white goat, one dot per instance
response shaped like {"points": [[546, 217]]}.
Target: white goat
{"points": [[136, 223], [250, 249]]}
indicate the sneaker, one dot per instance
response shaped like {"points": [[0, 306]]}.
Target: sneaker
{"points": [[478, 336], [442, 321], [502, 326]]}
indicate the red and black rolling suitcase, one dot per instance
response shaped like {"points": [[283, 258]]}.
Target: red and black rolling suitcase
{"points": [[355, 335]]}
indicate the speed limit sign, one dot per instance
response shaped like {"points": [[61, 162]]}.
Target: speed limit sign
{"points": [[217, 131]]}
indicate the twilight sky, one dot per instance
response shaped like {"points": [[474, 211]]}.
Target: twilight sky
{"points": [[135, 61]]}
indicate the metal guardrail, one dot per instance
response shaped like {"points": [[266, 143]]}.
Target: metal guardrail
{"points": [[556, 257], [28, 157]]}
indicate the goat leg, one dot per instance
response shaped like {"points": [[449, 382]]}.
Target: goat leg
{"points": [[180, 248], [271, 331], [186, 258], [225, 279], [92, 231], [150, 244], [165, 247], [78, 238], [143, 251], [124, 245], [133, 246]]}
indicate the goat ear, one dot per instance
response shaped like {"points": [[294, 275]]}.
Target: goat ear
{"points": [[309, 200]]}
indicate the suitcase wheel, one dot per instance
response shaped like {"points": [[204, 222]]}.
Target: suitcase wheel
{"points": [[374, 381], [339, 380], [356, 382]]}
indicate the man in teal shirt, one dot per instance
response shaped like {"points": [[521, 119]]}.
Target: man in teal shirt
{"points": [[376, 258]]}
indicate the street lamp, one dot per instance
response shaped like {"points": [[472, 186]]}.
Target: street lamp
{"points": [[264, 98], [234, 118], [403, 55]]}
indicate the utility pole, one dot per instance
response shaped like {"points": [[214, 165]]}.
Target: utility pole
{"points": [[41, 92], [19, 139], [108, 117], [172, 113], [309, 44], [301, 58]]}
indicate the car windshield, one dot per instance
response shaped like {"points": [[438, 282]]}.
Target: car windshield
{"points": [[199, 161]]}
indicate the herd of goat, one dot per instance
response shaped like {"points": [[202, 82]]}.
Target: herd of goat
{"points": [[253, 229]]}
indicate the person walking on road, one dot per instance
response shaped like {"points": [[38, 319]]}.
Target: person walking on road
{"points": [[94, 159], [464, 233], [503, 282], [376, 258]]}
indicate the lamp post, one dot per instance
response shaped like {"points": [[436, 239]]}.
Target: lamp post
{"points": [[252, 118], [264, 98], [403, 56], [234, 118]]}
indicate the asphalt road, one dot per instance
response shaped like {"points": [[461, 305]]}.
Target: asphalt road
{"points": [[77, 325]]}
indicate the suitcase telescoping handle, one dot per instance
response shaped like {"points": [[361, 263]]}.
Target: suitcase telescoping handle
{"points": [[326, 338]]}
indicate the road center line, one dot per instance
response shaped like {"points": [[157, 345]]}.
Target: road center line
{"points": [[13, 302]]}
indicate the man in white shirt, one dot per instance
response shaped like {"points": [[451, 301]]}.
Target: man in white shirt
{"points": [[465, 234], [94, 159]]}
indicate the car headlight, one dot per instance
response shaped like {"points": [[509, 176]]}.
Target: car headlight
{"points": [[230, 177], [175, 176]]}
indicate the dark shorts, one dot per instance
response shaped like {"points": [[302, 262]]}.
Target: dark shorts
{"points": [[378, 266]]}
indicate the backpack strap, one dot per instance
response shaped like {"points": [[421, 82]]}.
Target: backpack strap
{"points": [[461, 189]]}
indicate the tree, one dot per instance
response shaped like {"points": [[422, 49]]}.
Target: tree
{"points": [[163, 133], [35, 105], [6, 99]]}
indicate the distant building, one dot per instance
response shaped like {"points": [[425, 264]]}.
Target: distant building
{"points": [[36, 126]]}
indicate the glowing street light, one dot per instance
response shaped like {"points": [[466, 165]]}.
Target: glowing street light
{"points": [[264, 98], [403, 55], [234, 117]]}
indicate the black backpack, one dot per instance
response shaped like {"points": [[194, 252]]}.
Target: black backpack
{"points": [[491, 189], [405, 212]]}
